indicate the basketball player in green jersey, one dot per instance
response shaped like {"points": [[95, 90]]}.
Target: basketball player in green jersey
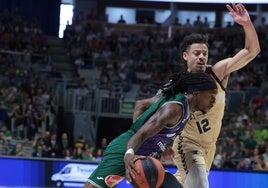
{"points": [[194, 148], [155, 129]]}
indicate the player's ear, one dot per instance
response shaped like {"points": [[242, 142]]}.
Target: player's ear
{"points": [[184, 55]]}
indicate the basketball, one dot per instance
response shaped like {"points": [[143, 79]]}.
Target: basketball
{"points": [[151, 175]]}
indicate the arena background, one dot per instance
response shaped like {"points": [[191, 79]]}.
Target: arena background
{"points": [[38, 173], [29, 172]]}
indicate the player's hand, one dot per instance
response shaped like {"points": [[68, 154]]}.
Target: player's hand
{"points": [[130, 165], [239, 13]]}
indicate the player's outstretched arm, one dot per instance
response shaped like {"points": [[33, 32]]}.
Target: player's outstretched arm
{"points": [[251, 47]]}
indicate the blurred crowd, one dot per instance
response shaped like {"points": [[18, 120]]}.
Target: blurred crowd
{"points": [[29, 109]]}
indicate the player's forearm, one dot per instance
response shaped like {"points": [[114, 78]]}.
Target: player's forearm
{"points": [[251, 39], [138, 110], [135, 142], [141, 106]]}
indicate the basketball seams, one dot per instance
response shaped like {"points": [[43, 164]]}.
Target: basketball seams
{"points": [[151, 171], [151, 175], [139, 180]]}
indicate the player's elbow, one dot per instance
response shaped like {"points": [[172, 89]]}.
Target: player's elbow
{"points": [[253, 52], [144, 136], [140, 105], [257, 50]]}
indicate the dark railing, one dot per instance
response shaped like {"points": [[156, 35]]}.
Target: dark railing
{"points": [[97, 102]]}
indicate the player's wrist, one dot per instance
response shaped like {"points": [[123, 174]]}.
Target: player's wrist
{"points": [[129, 151]]}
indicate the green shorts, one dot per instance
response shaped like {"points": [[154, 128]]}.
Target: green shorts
{"points": [[112, 164]]}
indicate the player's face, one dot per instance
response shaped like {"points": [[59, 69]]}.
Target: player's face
{"points": [[206, 100], [196, 57]]}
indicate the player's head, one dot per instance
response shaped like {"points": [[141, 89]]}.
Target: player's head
{"points": [[201, 87], [194, 52]]}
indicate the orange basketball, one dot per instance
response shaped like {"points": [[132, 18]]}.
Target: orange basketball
{"points": [[151, 175]]}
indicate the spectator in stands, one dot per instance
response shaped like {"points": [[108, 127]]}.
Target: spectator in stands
{"points": [[260, 164], [98, 156], [88, 155], [37, 145], [100, 149], [265, 154], [18, 150], [2, 143], [198, 23], [260, 22], [79, 63], [144, 91], [265, 106], [187, 24], [82, 88], [65, 144], [176, 22], [229, 25], [104, 143], [40, 151], [218, 159], [244, 164], [241, 133], [6, 133], [6, 139], [46, 138], [41, 42], [39, 115], [205, 23], [9, 107], [106, 53], [21, 125], [78, 153], [261, 133], [80, 143], [230, 151], [82, 91], [54, 147], [262, 146], [89, 146], [254, 158], [68, 154], [50, 118], [32, 131], [105, 79], [250, 142], [6, 37], [121, 20], [242, 118], [3, 112], [42, 97], [131, 76]]}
